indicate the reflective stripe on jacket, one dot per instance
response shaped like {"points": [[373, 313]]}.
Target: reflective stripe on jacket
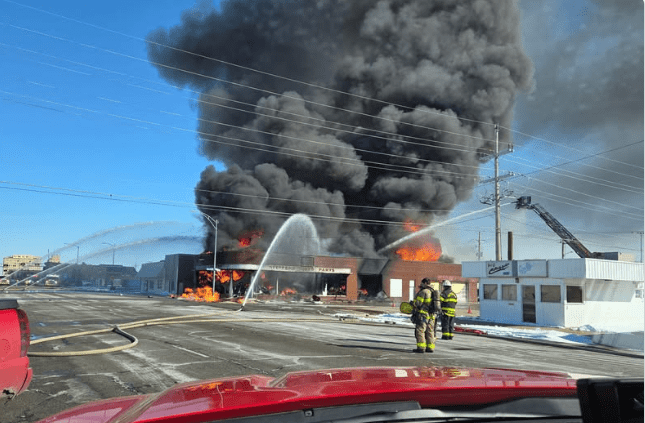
{"points": [[422, 301], [448, 302]]}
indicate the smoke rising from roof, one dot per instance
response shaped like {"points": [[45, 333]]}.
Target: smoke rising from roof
{"points": [[429, 78]]}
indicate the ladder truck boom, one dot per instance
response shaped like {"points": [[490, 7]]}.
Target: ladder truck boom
{"points": [[558, 228]]}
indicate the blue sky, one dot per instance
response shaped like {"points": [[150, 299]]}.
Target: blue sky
{"points": [[85, 116]]}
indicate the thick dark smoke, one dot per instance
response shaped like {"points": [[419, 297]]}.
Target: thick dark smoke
{"points": [[429, 78]]}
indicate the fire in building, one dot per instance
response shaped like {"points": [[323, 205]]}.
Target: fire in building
{"points": [[326, 277], [379, 134]]}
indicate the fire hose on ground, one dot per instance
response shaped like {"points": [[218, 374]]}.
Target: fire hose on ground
{"points": [[119, 329]]}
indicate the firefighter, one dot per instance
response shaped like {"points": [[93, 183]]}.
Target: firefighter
{"points": [[448, 304], [424, 317]]}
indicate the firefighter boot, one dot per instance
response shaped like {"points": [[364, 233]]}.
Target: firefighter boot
{"points": [[419, 350]]}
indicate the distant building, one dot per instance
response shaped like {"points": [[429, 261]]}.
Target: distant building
{"points": [[152, 277], [565, 293], [22, 262], [107, 276], [52, 262]]}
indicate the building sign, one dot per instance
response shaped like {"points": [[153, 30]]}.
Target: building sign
{"points": [[532, 268], [499, 268], [285, 268]]}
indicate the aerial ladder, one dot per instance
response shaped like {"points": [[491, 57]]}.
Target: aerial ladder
{"points": [[558, 228]]}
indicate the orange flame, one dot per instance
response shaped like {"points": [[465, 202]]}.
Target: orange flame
{"points": [[204, 294], [288, 291], [410, 226], [427, 252], [247, 239], [237, 275], [223, 276]]}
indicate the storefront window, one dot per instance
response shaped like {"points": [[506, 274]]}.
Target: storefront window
{"points": [[490, 291], [509, 292], [550, 293], [574, 294]]}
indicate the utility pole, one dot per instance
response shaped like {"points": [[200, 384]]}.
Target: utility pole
{"points": [[215, 257], [496, 197], [112, 245], [498, 222], [214, 223]]}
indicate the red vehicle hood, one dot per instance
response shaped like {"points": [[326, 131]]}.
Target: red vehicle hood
{"points": [[257, 395]]}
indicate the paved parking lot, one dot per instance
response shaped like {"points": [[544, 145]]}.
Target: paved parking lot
{"points": [[214, 340]]}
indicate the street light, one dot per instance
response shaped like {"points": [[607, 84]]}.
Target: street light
{"points": [[77, 250], [109, 243], [213, 223]]}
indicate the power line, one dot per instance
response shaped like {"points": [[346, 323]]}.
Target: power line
{"points": [[338, 146], [582, 204], [206, 134], [296, 152], [142, 200], [256, 106], [225, 81], [586, 195], [595, 167], [219, 105], [233, 64], [283, 78], [570, 148]]}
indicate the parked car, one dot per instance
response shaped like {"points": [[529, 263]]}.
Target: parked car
{"points": [[15, 373], [393, 394]]}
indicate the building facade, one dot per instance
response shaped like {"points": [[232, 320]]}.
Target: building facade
{"points": [[566, 293], [331, 278], [22, 262], [153, 277]]}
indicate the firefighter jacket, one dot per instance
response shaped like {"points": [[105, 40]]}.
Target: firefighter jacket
{"points": [[423, 303], [448, 302]]}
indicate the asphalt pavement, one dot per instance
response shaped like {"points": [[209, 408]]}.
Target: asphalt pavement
{"points": [[187, 341]]}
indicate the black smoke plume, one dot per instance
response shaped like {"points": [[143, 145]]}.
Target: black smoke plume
{"points": [[427, 78]]}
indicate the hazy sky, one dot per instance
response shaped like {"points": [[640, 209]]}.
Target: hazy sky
{"points": [[97, 149]]}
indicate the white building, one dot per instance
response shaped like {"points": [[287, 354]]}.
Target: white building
{"points": [[566, 293], [21, 262]]}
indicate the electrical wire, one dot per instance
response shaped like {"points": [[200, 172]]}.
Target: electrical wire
{"points": [[393, 167], [201, 56], [570, 148], [595, 167], [233, 64], [297, 151], [247, 111], [225, 81], [395, 137], [580, 204], [481, 122], [592, 196]]}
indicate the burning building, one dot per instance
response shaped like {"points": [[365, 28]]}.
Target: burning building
{"points": [[327, 277], [393, 116]]}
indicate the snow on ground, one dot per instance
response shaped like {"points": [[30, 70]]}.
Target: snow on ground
{"points": [[537, 333]]}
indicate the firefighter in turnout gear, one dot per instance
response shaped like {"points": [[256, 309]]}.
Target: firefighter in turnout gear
{"points": [[448, 304], [424, 316]]}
